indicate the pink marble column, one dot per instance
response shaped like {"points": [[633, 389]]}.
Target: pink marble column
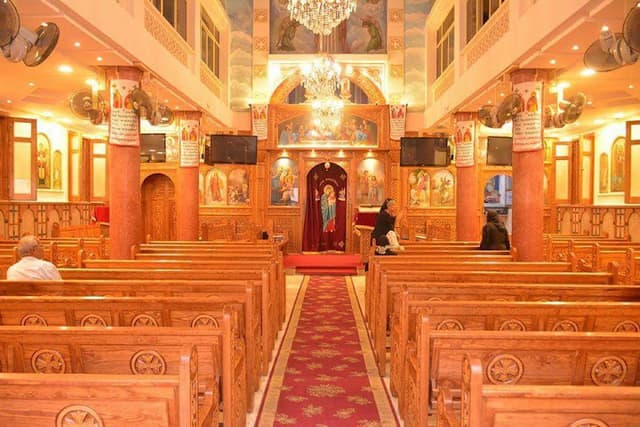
{"points": [[187, 194], [123, 166], [467, 221], [528, 191]]}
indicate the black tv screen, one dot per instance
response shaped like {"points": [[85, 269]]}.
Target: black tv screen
{"points": [[499, 151], [152, 147], [425, 151], [238, 149]]}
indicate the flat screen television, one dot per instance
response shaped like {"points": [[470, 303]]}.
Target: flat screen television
{"points": [[152, 147], [239, 149], [425, 151], [499, 151]]}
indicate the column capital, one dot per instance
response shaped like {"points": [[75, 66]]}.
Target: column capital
{"points": [[132, 73], [460, 116], [529, 75]]}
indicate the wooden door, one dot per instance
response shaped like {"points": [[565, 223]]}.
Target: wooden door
{"points": [[159, 207]]}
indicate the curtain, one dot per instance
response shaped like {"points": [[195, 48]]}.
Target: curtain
{"points": [[325, 222]]}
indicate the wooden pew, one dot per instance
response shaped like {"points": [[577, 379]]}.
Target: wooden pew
{"points": [[518, 273], [98, 350], [249, 292], [152, 311], [566, 316], [259, 276], [231, 262], [557, 358], [488, 405], [45, 400]]}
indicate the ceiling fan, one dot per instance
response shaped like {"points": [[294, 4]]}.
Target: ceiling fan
{"points": [[21, 44], [614, 50]]}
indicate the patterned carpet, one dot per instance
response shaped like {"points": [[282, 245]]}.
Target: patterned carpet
{"points": [[322, 377]]}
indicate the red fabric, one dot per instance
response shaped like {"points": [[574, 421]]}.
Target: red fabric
{"points": [[366, 218], [101, 213], [326, 381], [325, 186]]}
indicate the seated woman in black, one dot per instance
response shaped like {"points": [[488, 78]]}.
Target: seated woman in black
{"points": [[494, 234], [385, 222]]}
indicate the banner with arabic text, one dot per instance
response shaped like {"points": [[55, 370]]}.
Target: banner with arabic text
{"points": [[465, 143], [124, 123], [189, 149], [527, 125], [398, 114], [259, 120]]}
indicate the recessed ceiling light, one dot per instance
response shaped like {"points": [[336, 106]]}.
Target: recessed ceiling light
{"points": [[587, 72], [65, 69], [489, 102], [501, 93], [575, 47], [631, 86], [65, 120], [618, 115], [91, 82], [552, 62], [9, 101], [32, 84], [589, 102], [77, 44], [99, 58], [598, 121], [604, 28], [166, 101], [47, 114]]}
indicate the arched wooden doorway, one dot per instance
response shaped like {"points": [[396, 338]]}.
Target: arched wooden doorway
{"points": [[159, 207], [325, 219]]}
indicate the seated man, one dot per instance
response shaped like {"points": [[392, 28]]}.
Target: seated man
{"points": [[31, 266]]}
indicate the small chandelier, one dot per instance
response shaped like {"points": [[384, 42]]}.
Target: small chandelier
{"points": [[321, 78], [327, 113], [321, 16]]}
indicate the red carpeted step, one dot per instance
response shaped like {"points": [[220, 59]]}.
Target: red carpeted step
{"points": [[336, 271]]}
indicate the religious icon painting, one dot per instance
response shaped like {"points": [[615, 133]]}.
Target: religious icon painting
{"points": [[56, 173], [171, 149], [419, 188], [215, 187], [617, 165], [284, 182], [442, 189], [370, 188], [43, 161], [238, 187]]}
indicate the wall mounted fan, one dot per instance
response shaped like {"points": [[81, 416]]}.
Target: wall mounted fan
{"points": [[157, 115], [496, 116], [87, 106], [21, 44], [566, 112], [613, 50]]}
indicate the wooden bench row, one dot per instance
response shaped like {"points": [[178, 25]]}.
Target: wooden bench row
{"points": [[557, 358], [485, 404]]}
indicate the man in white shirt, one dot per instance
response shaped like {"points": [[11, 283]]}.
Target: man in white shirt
{"points": [[31, 266]]}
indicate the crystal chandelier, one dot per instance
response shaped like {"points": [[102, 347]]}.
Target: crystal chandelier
{"points": [[320, 78], [327, 113], [321, 16]]}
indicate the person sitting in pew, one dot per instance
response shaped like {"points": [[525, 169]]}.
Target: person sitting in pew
{"points": [[383, 233], [31, 265], [495, 235]]}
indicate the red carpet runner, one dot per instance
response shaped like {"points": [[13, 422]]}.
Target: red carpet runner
{"points": [[326, 382]]}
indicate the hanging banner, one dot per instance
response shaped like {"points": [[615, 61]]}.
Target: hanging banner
{"points": [[465, 137], [124, 123], [189, 148], [397, 113], [259, 120], [527, 125]]}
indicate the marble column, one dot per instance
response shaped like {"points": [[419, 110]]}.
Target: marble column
{"points": [[187, 192], [467, 207], [123, 163], [528, 166]]}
